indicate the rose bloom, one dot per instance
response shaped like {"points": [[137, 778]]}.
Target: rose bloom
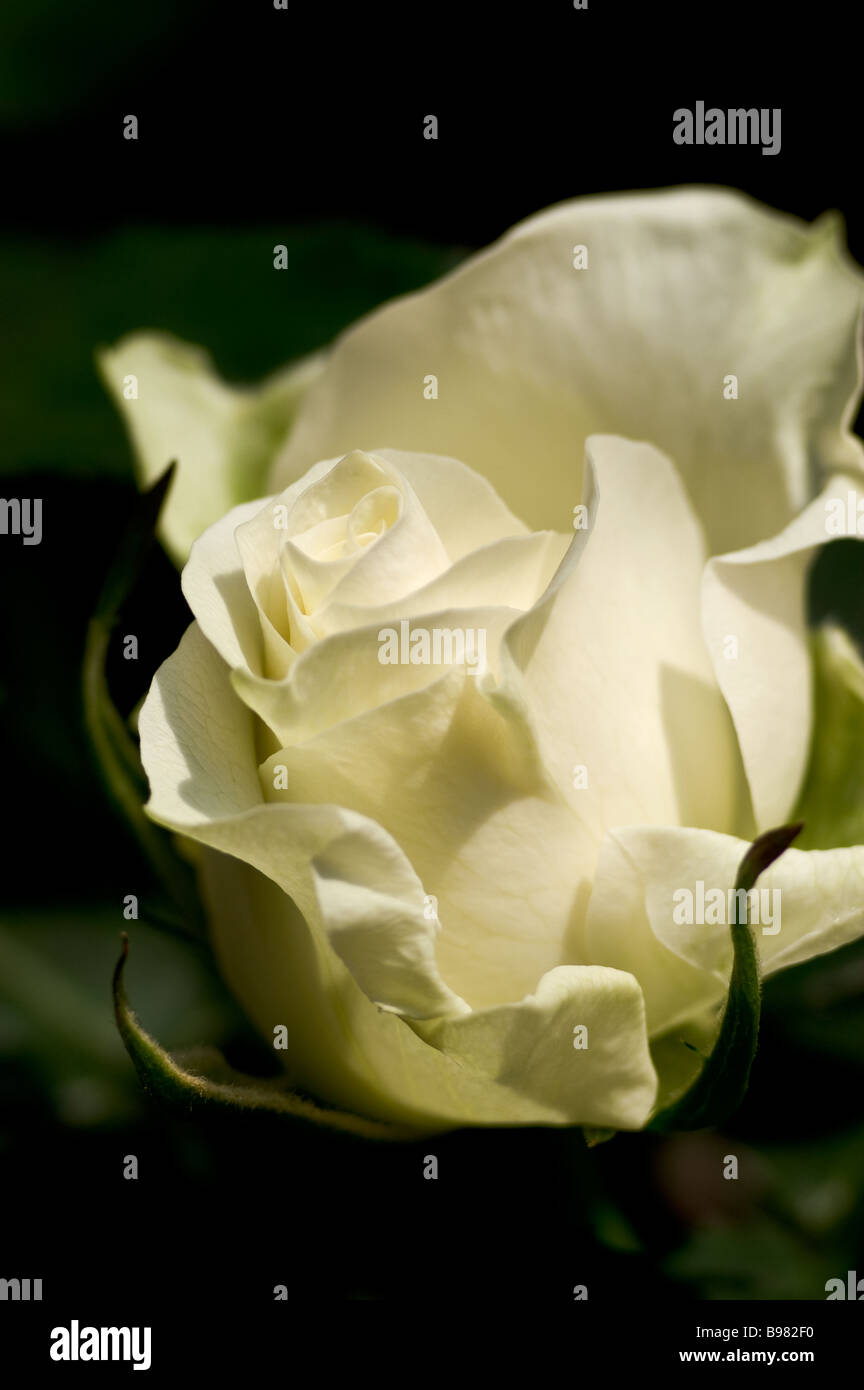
{"points": [[453, 880]]}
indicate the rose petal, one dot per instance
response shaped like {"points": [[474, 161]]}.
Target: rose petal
{"points": [[531, 1046], [215, 588], [342, 677], [223, 438], [684, 967], [611, 666], [344, 1049], [197, 741], [683, 288], [457, 784], [758, 598]]}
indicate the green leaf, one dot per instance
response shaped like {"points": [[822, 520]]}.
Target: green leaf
{"points": [[722, 1083], [115, 749], [189, 1088], [832, 800]]}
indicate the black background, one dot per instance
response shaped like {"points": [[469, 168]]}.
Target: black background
{"points": [[248, 115]]}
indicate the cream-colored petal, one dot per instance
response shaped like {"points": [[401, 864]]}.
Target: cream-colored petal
{"points": [[509, 573], [618, 933], [755, 623], [347, 673], [197, 749], [373, 908], [197, 740], [810, 902], [457, 784], [578, 1042], [223, 438], [461, 504], [612, 668], [215, 588], [343, 676], [683, 289], [407, 551], [340, 1046], [289, 581], [343, 872]]}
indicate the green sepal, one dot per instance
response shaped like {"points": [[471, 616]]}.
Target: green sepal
{"points": [[722, 1083], [115, 749], [192, 1091]]}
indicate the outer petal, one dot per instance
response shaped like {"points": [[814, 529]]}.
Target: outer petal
{"points": [[682, 289], [371, 903], [684, 967], [757, 598], [216, 590], [611, 664], [196, 740], [223, 439], [344, 1049], [619, 933], [457, 784], [532, 1046], [312, 851]]}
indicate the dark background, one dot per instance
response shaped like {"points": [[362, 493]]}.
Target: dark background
{"points": [[249, 115], [259, 126]]}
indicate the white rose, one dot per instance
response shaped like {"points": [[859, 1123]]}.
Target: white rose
{"points": [[683, 289], [353, 794], [667, 656]]}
